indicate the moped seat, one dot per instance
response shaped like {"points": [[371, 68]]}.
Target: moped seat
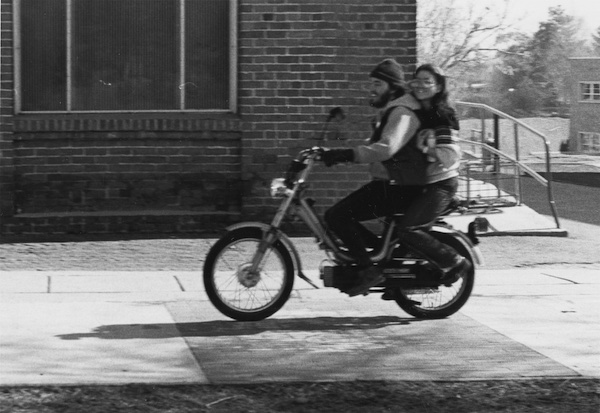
{"points": [[455, 204]]}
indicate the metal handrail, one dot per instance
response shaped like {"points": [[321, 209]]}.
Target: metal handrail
{"points": [[521, 165], [546, 182]]}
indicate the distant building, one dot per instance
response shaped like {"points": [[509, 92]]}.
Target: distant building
{"points": [[584, 135], [174, 115]]}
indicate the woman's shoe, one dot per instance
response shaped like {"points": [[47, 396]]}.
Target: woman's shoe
{"points": [[459, 270]]}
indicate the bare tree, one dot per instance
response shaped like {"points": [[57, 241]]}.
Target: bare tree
{"points": [[455, 33], [596, 42]]}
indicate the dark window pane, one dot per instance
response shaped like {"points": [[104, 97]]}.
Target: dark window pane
{"points": [[125, 55], [43, 55], [585, 91], [207, 54]]}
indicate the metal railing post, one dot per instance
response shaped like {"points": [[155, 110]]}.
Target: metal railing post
{"points": [[482, 115], [549, 187], [519, 188], [497, 170], [468, 184]]}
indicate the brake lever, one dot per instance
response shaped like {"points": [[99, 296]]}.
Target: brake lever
{"points": [[315, 150]]}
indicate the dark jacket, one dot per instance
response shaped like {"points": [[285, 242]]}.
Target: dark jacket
{"points": [[392, 150]]}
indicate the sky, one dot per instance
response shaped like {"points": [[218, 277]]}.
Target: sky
{"points": [[529, 13]]}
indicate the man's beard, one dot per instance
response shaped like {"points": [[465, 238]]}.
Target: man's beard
{"points": [[380, 101]]}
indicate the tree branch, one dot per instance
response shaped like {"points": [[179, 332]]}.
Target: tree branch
{"points": [[503, 52]]}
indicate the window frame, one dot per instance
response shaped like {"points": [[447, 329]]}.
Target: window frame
{"points": [[233, 59], [594, 97], [590, 136]]}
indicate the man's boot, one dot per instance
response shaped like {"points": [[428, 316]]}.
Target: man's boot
{"points": [[369, 277]]}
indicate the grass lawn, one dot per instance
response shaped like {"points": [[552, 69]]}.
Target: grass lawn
{"points": [[543, 396]]}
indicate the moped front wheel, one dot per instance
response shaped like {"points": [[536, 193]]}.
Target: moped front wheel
{"points": [[235, 288]]}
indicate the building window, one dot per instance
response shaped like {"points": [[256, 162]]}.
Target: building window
{"points": [[590, 141], [126, 55], [590, 91]]}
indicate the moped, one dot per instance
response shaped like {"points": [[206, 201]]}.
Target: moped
{"points": [[249, 272]]}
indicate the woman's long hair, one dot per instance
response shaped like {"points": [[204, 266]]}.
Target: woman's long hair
{"points": [[440, 101]]}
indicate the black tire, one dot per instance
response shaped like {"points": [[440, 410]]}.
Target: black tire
{"points": [[238, 293], [441, 301]]}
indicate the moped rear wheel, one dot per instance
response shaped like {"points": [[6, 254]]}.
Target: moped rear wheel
{"points": [[444, 300], [235, 289], [436, 302]]}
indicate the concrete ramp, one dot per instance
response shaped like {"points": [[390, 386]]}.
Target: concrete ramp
{"points": [[497, 210], [509, 220]]}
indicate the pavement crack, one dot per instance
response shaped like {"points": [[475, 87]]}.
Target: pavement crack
{"points": [[556, 263], [560, 278], [179, 283]]}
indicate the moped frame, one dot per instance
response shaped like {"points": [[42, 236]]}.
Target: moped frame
{"points": [[409, 277], [295, 204]]}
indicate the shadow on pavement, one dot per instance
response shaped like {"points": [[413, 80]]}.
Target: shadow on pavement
{"points": [[236, 328]]}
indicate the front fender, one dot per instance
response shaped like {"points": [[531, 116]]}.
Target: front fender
{"points": [[285, 240], [249, 224]]}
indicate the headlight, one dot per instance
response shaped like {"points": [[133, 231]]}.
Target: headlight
{"points": [[278, 187]]}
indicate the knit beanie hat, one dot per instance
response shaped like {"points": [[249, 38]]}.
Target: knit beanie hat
{"points": [[390, 71]]}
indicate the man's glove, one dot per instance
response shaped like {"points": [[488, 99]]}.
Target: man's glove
{"points": [[332, 156]]}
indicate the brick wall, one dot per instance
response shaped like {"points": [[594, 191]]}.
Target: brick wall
{"points": [[127, 171], [297, 59], [6, 105], [585, 116], [93, 175]]}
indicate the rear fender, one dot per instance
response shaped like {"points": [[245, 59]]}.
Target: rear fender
{"points": [[451, 236]]}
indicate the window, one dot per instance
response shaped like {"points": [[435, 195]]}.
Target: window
{"points": [[590, 141], [126, 55], [590, 91]]}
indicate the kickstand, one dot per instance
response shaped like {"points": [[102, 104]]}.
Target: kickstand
{"points": [[308, 280]]}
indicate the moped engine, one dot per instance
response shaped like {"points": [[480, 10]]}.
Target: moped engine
{"points": [[338, 276], [398, 272]]}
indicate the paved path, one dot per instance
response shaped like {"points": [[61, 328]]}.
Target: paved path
{"points": [[76, 327]]}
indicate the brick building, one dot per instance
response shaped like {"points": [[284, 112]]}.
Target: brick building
{"points": [[584, 134], [137, 116]]}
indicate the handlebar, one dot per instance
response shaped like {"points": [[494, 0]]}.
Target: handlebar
{"points": [[304, 158], [313, 153]]}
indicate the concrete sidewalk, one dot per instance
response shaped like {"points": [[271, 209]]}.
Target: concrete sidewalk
{"points": [[115, 327]]}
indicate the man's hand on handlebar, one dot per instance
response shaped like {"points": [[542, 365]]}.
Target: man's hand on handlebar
{"points": [[304, 154], [337, 155]]}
